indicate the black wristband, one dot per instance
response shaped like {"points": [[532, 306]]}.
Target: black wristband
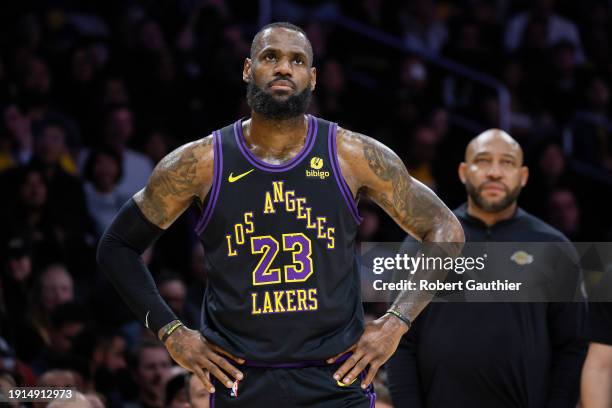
{"points": [[400, 316]]}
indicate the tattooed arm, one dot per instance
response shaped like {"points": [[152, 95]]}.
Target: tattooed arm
{"points": [[372, 170], [184, 174], [180, 177]]}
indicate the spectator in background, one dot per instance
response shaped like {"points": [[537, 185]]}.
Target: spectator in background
{"points": [[197, 394], [108, 366], [550, 171], [17, 127], [176, 394], [18, 370], [423, 30], [422, 153], [56, 287], [383, 397], [102, 173], [7, 382], [563, 85], [78, 400], [64, 205], [592, 127], [95, 400], [52, 156], [118, 132], [53, 287], [35, 86], [564, 213], [150, 369], [173, 290], [28, 215], [17, 277], [156, 145], [557, 28], [58, 378], [332, 98], [67, 322], [114, 93], [512, 75]]}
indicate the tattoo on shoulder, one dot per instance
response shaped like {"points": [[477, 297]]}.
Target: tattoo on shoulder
{"points": [[412, 206], [174, 179]]}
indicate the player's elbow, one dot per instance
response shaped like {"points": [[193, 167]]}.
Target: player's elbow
{"points": [[449, 229], [457, 231], [104, 252]]}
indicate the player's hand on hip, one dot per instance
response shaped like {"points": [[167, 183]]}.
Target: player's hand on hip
{"points": [[194, 353], [376, 345]]}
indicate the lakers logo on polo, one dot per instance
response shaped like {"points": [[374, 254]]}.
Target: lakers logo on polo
{"points": [[316, 164], [522, 258]]}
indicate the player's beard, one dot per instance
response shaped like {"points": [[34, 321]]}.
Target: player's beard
{"points": [[492, 207], [265, 104]]}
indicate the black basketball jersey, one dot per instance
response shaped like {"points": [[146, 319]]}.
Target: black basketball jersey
{"points": [[283, 282]]}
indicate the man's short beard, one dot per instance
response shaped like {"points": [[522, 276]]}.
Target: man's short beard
{"points": [[475, 194], [268, 106]]}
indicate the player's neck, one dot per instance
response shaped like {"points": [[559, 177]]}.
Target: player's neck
{"points": [[275, 135], [490, 218]]}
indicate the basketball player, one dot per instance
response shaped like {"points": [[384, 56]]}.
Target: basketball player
{"points": [[278, 192]]}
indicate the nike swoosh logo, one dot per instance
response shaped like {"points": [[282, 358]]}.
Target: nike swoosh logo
{"points": [[233, 178], [147, 319]]}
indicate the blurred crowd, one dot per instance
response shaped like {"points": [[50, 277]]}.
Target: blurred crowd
{"points": [[94, 94]]}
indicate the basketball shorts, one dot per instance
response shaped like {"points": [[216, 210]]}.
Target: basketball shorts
{"points": [[292, 386]]}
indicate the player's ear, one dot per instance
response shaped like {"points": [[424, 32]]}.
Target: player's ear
{"points": [[524, 175], [313, 78], [246, 70], [461, 171]]}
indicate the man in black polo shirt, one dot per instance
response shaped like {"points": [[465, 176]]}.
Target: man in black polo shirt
{"points": [[492, 354]]}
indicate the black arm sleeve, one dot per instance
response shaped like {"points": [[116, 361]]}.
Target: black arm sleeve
{"points": [[119, 250]]}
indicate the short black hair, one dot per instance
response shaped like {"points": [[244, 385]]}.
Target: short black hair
{"points": [[282, 24], [90, 163]]}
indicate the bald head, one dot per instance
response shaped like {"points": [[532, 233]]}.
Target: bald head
{"points": [[494, 141], [493, 172], [78, 400]]}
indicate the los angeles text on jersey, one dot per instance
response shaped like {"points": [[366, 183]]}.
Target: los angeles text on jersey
{"points": [[280, 199], [266, 245]]}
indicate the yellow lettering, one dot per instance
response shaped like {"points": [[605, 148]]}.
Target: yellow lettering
{"points": [[278, 304], [309, 224], [255, 310], [312, 296], [300, 201], [248, 221], [290, 306], [268, 206], [289, 201], [230, 251], [278, 191], [330, 238], [267, 306], [301, 295], [320, 225], [239, 233]]}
